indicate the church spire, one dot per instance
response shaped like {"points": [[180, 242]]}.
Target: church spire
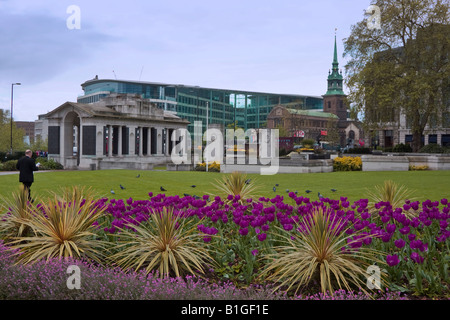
{"points": [[335, 60], [335, 78]]}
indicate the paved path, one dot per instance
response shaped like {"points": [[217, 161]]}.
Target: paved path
{"points": [[4, 173]]}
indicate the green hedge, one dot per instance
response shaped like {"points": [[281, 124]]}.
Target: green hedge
{"points": [[49, 164], [10, 165], [434, 148]]}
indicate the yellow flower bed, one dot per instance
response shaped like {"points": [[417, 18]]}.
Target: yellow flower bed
{"points": [[347, 164], [418, 168], [213, 166]]}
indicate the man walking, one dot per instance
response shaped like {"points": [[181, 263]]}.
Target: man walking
{"points": [[26, 165]]}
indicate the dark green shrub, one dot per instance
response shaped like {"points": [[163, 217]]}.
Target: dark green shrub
{"points": [[49, 164], [402, 148], [432, 148], [9, 165], [359, 150]]}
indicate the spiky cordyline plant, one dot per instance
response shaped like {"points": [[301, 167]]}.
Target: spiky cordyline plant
{"points": [[166, 242], [15, 212], [394, 194], [316, 251], [63, 228], [237, 183]]}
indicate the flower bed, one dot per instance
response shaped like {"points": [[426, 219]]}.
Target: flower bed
{"points": [[47, 281], [242, 236]]}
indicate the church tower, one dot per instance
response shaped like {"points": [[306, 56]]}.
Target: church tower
{"points": [[334, 99]]}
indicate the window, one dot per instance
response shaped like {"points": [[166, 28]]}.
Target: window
{"points": [[432, 138]]}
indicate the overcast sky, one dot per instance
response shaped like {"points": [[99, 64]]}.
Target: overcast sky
{"points": [[282, 46]]}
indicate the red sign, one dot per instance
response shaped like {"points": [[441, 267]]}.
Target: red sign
{"points": [[323, 133], [299, 133]]}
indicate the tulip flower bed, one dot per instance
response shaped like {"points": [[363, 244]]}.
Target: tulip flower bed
{"points": [[414, 238], [412, 243]]}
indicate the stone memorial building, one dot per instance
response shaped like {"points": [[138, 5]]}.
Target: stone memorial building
{"points": [[119, 131]]}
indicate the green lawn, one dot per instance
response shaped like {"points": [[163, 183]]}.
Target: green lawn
{"points": [[433, 185]]}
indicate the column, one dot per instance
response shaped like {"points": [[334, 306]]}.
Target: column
{"points": [[166, 149], [132, 141], [119, 143], [159, 141], [80, 140], [110, 138], [141, 141], [99, 140]]}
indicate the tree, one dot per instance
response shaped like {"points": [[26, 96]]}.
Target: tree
{"points": [[39, 144], [333, 137], [5, 134], [402, 68]]}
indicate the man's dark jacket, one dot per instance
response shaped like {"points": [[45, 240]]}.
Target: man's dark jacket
{"points": [[26, 166]]}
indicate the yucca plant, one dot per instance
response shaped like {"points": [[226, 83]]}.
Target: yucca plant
{"points": [[237, 183], [15, 213], [316, 251], [166, 242], [393, 193], [63, 229]]}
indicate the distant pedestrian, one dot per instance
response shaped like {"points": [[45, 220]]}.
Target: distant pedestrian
{"points": [[26, 165]]}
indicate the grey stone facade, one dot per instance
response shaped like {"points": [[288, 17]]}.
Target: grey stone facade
{"points": [[120, 131]]}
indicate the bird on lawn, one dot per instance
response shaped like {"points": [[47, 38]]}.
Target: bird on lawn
{"points": [[287, 190], [247, 181], [193, 186], [276, 185], [308, 191], [320, 196], [112, 191], [162, 189], [138, 176], [334, 190], [121, 186], [295, 192], [274, 189], [186, 195]]}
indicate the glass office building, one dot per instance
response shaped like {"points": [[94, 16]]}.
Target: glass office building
{"points": [[225, 107]]}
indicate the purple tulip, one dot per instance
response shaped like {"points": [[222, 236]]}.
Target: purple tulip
{"points": [[405, 230], [262, 236], [392, 260], [417, 258], [400, 243], [390, 228], [243, 231]]}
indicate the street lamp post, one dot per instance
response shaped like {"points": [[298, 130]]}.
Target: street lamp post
{"points": [[12, 99]]}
